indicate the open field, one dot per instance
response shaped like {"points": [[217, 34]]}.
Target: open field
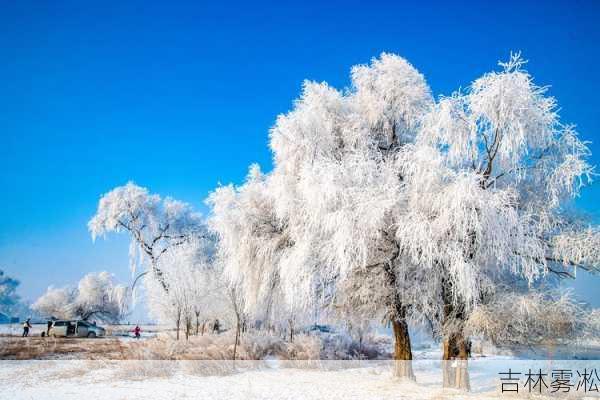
{"points": [[248, 380], [158, 343], [267, 367]]}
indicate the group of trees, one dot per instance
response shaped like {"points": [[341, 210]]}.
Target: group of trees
{"points": [[96, 296], [11, 304], [387, 202], [176, 250], [384, 202], [196, 294]]}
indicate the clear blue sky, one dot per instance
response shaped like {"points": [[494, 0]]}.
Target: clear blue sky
{"points": [[180, 96]]}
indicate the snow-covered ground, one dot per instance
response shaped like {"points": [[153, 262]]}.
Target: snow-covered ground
{"points": [[118, 368], [67, 380]]}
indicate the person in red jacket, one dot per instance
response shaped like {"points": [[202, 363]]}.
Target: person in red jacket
{"points": [[137, 331]]}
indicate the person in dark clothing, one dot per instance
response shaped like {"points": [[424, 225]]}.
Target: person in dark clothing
{"points": [[216, 326], [48, 328], [26, 327], [70, 328]]}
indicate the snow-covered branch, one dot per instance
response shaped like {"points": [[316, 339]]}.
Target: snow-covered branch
{"points": [[155, 224]]}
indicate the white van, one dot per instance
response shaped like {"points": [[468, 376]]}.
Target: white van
{"points": [[75, 328]]}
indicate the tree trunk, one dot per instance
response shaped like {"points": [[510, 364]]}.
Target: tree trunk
{"points": [[402, 350], [448, 373], [360, 341], [455, 362], [462, 372], [178, 323], [197, 323], [291, 324], [456, 347], [203, 327], [237, 338]]}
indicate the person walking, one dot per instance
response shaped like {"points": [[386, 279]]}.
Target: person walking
{"points": [[137, 331], [48, 327], [26, 327]]}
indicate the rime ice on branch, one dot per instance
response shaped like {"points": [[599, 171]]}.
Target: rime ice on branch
{"points": [[154, 224]]}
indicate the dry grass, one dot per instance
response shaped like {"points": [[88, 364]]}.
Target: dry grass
{"points": [[220, 347], [253, 346], [38, 348]]}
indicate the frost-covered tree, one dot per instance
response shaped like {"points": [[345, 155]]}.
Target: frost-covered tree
{"points": [[253, 245], [493, 192], [252, 241], [155, 225], [408, 208], [339, 187], [57, 303], [533, 317], [195, 293], [236, 301], [96, 295], [206, 293], [10, 302], [100, 296]]}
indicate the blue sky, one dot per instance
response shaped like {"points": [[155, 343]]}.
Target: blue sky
{"points": [[180, 96]]}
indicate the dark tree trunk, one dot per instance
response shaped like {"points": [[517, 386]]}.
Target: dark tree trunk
{"points": [[456, 347], [402, 350], [402, 347], [178, 323], [455, 362], [360, 352]]}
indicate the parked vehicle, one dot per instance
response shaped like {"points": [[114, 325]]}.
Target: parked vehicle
{"points": [[76, 328], [320, 328]]}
